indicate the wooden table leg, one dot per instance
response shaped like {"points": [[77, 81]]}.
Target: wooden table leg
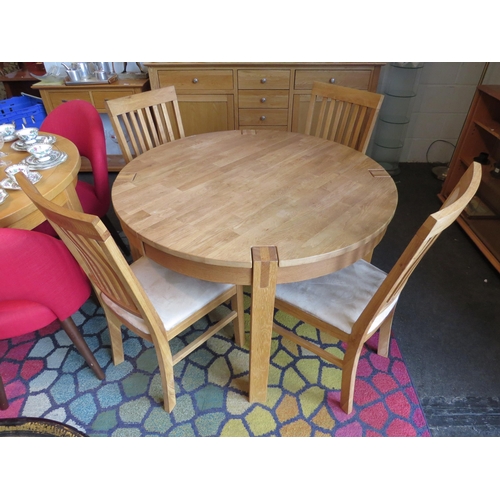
{"points": [[265, 270], [73, 201]]}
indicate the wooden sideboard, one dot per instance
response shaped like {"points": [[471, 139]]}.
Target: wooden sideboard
{"points": [[228, 96], [55, 94]]}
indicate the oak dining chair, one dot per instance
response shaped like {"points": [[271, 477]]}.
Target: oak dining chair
{"points": [[342, 114], [144, 121], [354, 303], [152, 301]]}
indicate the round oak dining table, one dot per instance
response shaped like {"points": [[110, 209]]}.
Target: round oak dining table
{"points": [[254, 208], [57, 184]]}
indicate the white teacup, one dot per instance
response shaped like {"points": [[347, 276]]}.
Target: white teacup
{"points": [[41, 151], [27, 135], [7, 129], [15, 169]]}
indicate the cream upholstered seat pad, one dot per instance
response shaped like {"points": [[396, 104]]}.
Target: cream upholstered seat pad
{"points": [[338, 298], [175, 297]]}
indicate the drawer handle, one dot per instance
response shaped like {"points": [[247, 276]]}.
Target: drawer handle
{"points": [[262, 118], [195, 80], [263, 99], [332, 80], [263, 80]]}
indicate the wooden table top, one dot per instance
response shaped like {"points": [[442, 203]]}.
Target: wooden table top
{"points": [[17, 210], [211, 198]]}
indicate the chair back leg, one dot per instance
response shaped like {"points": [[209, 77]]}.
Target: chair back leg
{"points": [[4, 404]]}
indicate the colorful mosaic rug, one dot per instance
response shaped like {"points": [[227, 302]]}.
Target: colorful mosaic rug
{"points": [[45, 377]]}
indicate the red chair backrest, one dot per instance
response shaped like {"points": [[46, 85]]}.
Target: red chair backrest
{"points": [[80, 122]]}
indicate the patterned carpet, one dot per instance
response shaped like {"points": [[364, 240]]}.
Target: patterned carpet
{"points": [[46, 377]]}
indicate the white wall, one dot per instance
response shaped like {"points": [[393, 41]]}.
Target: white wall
{"points": [[444, 94]]}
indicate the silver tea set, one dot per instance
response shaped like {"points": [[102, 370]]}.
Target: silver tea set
{"points": [[85, 71]]}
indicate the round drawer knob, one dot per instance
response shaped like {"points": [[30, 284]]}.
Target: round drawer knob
{"points": [[262, 118], [332, 80], [195, 80], [263, 99], [263, 80]]}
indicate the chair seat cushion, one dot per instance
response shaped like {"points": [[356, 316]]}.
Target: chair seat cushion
{"points": [[175, 297], [338, 298]]}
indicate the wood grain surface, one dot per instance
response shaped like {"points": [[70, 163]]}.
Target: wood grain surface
{"points": [[57, 184], [212, 198]]}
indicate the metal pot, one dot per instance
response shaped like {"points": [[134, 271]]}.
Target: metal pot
{"points": [[104, 66], [74, 75], [101, 75], [84, 68]]}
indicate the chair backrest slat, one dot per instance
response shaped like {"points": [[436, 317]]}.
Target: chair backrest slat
{"points": [[345, 115], [146, 119]]}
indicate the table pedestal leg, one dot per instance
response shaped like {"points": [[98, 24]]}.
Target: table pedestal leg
{"points": [[73, 202], [265, 269]]}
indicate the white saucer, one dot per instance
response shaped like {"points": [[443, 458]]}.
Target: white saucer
{"points": [[8, 183], [3, 195], [55, 158], [9, 138], [41, 139]]}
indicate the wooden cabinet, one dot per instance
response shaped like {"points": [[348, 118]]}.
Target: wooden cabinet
{"points": [[228, 96], [480, 134], [54, 95], [263, 98]]}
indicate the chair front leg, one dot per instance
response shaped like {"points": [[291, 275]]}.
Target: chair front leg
{"points": [[237, 304], [349, 369]]}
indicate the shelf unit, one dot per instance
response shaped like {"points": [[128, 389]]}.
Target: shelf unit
{"points": [[480, 134], [394, 116]]}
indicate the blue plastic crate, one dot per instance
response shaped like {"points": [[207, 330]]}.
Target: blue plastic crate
{"points": [[31, 116], [22, 111], [14, 104]]}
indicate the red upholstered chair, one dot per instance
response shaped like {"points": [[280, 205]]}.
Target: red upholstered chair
{"points": [[40, 282], [80, 122]]}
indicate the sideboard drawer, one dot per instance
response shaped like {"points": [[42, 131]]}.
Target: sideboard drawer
{"points": [[259, 117], [57, 98], [357, 79], [100, 96], [263, 78], [264, 99], [197, 79]]}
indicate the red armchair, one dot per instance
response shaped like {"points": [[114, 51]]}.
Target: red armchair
{"points": [[80, 122], [40, 282]]}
